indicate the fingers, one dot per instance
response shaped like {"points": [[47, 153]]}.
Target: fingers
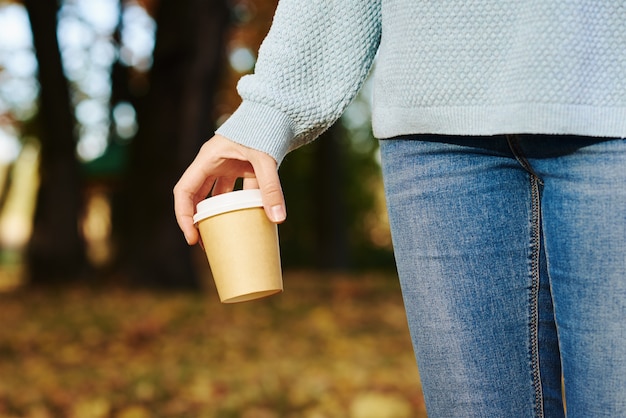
{"points": [[186, 196], [185, 201], [273, 199], [250, 183], [266, 178], [218, 164], [224, 185]]}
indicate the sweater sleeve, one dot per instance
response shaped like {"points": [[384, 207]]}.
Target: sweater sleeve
{"points": [[312, 63]]}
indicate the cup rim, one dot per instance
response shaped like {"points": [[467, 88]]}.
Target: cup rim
{"points": [[227, 202]]}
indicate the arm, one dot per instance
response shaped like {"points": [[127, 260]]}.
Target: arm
{"points": [[311, 65]]}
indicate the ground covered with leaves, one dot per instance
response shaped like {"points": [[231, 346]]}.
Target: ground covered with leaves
{"points": [[329, 346]]}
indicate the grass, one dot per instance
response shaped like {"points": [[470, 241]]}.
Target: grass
{"points": [[329, 346]]}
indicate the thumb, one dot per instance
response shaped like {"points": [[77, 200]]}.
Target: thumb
{"points": [[268, 181]]}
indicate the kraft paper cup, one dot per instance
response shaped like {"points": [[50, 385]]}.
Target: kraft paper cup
{"points": [[241, 245]]}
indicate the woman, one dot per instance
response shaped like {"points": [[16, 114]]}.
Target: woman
{"points": [[501, 127]]}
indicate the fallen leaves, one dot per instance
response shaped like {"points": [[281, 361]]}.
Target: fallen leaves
{"points": [[327, 347], [378, 405]]}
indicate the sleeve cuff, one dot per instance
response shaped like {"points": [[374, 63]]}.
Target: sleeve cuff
{"points": [[259, 127]]}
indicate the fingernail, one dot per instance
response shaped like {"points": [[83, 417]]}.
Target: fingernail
{"points": [[278, 213]]}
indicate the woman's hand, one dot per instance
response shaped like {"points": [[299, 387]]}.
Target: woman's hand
{"points": [[218, 164]]}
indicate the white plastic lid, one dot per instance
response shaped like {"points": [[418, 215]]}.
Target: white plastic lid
{"points": [[228, 202]]}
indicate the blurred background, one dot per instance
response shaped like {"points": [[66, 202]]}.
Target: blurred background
{"points": [[103, 104]]}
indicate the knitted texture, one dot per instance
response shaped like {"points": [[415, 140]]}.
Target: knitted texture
{"points": [[463, 67]]}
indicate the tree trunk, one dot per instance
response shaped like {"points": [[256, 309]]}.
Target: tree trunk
{"points": [[174, 120], [56, 250], [332, 248]]}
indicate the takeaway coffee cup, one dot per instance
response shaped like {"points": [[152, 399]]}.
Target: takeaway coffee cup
{"points": [[241, 245]]}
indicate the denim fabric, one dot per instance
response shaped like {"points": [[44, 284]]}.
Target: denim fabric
{"points": [[511, 252]]}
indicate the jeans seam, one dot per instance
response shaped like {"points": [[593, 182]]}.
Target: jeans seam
{"points": [[513, 142], [535, 183], [534, 295]]}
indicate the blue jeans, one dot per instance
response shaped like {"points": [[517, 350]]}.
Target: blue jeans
{"points": [[511, 252]]}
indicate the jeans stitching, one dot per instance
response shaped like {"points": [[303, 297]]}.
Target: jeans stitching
{"points": [[535, 183], [534, 295]]}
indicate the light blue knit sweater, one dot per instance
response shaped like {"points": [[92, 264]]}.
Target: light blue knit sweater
{"points": [[462, 67]]}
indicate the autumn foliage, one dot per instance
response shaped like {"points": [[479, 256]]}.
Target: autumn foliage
{"points": [[327, 347]]}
